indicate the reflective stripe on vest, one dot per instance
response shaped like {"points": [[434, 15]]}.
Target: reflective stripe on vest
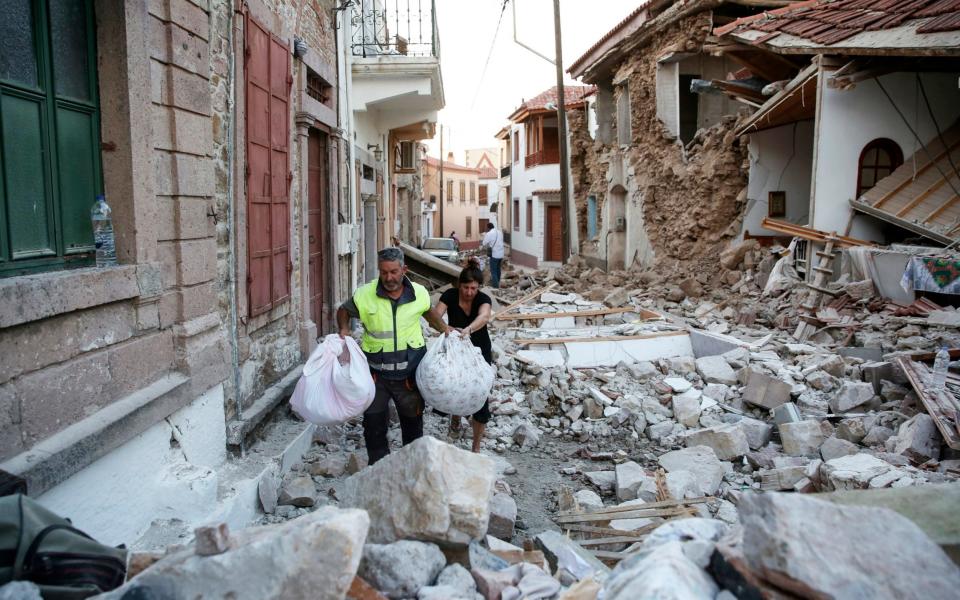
{"points": [[377, 316]]}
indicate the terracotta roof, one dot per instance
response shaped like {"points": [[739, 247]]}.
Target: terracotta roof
{"points": [[573, 94], [489, 173], [545, 192], [616, 29], [832, 21]]}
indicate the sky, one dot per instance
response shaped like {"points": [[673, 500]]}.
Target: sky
{"points": [[477, 107]]}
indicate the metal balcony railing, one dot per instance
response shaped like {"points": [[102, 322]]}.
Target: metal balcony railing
{"points": [[505, 171], [395, 28]]}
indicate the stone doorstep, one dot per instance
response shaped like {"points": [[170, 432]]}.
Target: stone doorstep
{"points": [[253, 416], [68, 451]]}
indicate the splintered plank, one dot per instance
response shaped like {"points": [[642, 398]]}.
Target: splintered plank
{"points": [[648, 505], [939, 403], [628, 514], [572, 313], [634, 534], [614, 539]]}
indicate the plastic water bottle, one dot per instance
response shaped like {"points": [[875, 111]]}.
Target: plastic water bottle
{"points": [[941, 363], [103, 233]]}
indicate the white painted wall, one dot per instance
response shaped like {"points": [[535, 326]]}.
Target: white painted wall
{"points": [[115, 498], [524, 182], [780, 159], [493, 194], [848, 120]]}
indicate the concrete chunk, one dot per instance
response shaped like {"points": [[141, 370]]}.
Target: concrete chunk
{"points": [[727, 441], [802, 439], [429, 490], [699, 460], [715, 369], [851, 395], [503, 515], [835, 447], [765, 391], [633, 482], [918, 439], [852, 472]]}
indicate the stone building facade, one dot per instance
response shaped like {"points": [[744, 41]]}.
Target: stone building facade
{"points": [[128, 384], [657, 169]]}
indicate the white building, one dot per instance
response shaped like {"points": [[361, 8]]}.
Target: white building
{"points": [[535, 210]]}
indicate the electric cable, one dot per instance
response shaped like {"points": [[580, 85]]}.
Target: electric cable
{"points": [[483, 72]]}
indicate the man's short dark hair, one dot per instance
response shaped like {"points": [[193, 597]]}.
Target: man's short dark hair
{"points": [[490, 226]]}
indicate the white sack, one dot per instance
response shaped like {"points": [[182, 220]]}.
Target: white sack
{"points": [[336, 385], [453, 377]]}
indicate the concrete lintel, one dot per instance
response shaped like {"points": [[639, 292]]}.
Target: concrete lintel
{"points": [[58, 457], [34, 297], [271, 398]]}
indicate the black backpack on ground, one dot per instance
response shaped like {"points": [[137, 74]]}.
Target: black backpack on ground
{"points": [[39, 546]]}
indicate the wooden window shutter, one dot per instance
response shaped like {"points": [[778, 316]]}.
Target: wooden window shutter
{"points": [[268, 168]]}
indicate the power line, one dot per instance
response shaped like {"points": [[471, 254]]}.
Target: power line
{"points": [[483, 73]]}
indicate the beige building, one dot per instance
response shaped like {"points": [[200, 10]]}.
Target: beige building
{"points": [[459, 210]]}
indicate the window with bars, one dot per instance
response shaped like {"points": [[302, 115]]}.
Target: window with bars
{"points": [[463, 191], [319, 89], [406, 152], [516, 146], [50, 170], [473, 191], [529, 216], [449, 190], [516, 214]]}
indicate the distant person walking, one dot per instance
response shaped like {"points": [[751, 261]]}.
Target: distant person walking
{"points": [[468, 310], [456, 239], [493, 242]]}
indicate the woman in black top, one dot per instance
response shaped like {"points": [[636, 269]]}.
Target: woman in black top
{"points": [[468, 310]]}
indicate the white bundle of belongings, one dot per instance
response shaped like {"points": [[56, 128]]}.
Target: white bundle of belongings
{"points": [[336, 385], [453, 377]]}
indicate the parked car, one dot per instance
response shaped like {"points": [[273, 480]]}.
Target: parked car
{"points": [[442, 248]]}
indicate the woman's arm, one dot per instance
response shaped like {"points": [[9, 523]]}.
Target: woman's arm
{"points": [[483, 317], [434, 317]]}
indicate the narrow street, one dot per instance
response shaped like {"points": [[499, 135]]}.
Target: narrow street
{"points": [[685, 272]]}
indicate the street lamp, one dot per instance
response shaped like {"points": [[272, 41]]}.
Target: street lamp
{"points": [[377, 152]]}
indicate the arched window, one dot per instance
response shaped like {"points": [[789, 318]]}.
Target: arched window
{"points": [[878, 159]]}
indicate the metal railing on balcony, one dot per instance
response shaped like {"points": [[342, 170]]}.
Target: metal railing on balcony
{"points": [[395, 28], [547, 156], [505, 171]]}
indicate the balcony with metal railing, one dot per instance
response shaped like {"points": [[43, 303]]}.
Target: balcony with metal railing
{"points": [[395, 28]]}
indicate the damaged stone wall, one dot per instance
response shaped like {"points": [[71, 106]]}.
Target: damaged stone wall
{"points": [[688, 197], [268, 345], [587, 170]]}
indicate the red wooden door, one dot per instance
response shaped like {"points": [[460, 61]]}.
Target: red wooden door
{"points": [[267, 71], [553, 248], [317, 195]]}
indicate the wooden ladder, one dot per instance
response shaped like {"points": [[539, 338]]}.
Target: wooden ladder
{"points": [[822, 271]]}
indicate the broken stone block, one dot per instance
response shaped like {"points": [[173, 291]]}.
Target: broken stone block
{"points": [[429, 491], [682, 484], [618, 297], [765, 391], [803, 438], [918, 439], [686, 408], [835, 447], [699, 460], [588, 500], [819, 380], [662, 572], [491, 584], [400, 569], [715, 369], [832, 551], [851, 395], [654, 412], [851, 472], [356, 463], [786, 413], [548, 359], [877, 436], [642, 370], [658, 431], [758, 433], [717, 391], [605, 480], [682, 365], [299, 491], [677, 384], [851, 430], [552, 298], [212, 540], [526, 435], [269, 491], [557, 547], [727, 441], [333, 465], [314, 556], [455, 577], [633, 482], [503, 515], [860, 290]]}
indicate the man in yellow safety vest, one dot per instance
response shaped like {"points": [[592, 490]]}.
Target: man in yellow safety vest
{"points": [[390, 308]]}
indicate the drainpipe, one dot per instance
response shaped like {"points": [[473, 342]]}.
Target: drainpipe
{"points": [[231, 226]]}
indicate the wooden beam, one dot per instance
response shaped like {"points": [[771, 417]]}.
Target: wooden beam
{"points": [[811, 234], [907, 182], [608, 531], [602, 338], [938, 407], [922, 196], [936, 212], [614, 539], [621, 509], [572, 313], [526, 298]]}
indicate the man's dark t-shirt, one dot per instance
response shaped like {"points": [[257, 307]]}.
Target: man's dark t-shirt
{"points": [[457, 318]]}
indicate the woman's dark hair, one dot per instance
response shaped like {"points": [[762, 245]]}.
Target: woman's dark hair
{"points": [[471, 273]]}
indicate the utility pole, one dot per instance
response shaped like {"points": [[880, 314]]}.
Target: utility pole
{"points": [[562, 130], [441, 180]]}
